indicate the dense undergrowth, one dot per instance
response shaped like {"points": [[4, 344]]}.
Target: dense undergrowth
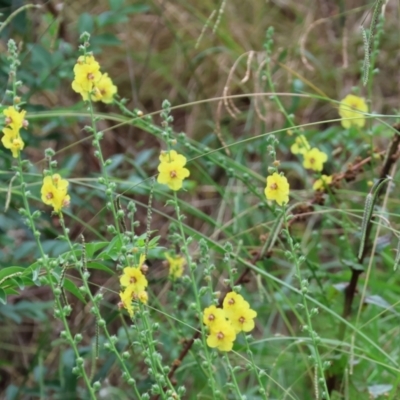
{"points": [[200, 200]]}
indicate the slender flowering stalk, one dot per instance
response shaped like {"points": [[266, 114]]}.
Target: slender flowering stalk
{"points": [[60, 311], [292, 254], [196, 294]]}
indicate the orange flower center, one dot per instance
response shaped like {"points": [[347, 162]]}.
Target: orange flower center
{"points": [[49, 196], [132, 280], [173, 174], [211, 317], [274, 186], [90, 77], [312, 160], [231, 301], [242, 319], [8, 120], [220, 335]]}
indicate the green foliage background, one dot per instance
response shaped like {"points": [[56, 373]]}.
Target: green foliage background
{"points": [[194, 54]]}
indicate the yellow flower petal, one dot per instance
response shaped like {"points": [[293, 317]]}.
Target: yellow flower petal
{"points": [[352, 109]]}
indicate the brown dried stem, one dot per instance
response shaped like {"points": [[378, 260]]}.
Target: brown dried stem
{"points": [[392, 155]]}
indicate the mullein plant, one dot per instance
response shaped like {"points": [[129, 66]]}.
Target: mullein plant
{"points": [[93, 86], [278, 190], [54, 193]]}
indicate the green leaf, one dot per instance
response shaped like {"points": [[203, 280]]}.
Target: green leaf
{"points": [[101, 267], [10, 272], [105, 39], [115, 5], [71, 287], [85, 23], [3, 297], [92, 248], [136, 9]]}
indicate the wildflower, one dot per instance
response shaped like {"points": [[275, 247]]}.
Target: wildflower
{"points": [[54, 192], [104, 90], [87, 75], [314, 159], [133, 278], [172, 171], [126, 302], [351, 110], [172, 155], [300, 146], [222, 335], [277, 188], [242, 319], [12, 141], [176, 264], [233, 301], [143, 297], [14, 118], [14, 121], [321, 183], [213, 315]]}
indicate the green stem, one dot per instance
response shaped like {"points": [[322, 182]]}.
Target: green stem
{"points": [[196, 294], [96, 309], [304, 290]]}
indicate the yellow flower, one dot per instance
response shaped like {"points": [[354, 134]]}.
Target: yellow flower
{"points": [[353, 108], [134, 279], [172, 155], [54, 192], [14, 118], [321, 183], [104, 90], [300, 145], [129, 295], [233, 301], [143, 297], [277, 188], [12, 141], [314, 159], [176, 264], [222, 335], [213, 315], [126, 301], [242, 319], [172, 171], [87, 75]]}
